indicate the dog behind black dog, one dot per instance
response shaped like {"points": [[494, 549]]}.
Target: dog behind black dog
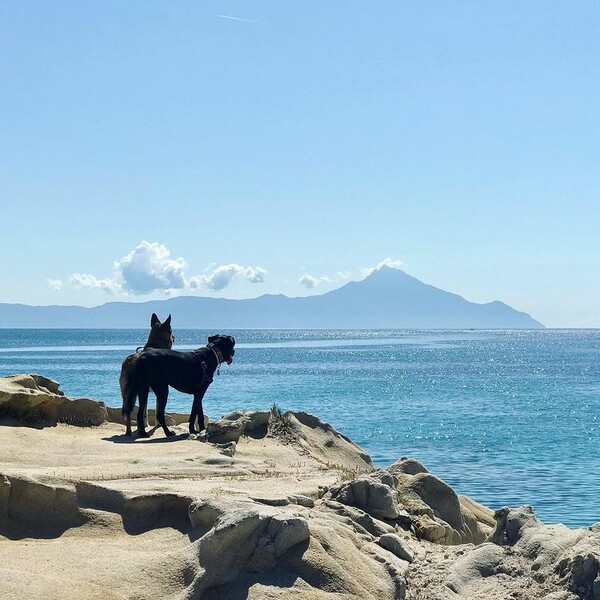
{"points": [[188, 372], [160, 336]]}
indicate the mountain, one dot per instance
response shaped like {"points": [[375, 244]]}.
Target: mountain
{"points": [[388, 298]]}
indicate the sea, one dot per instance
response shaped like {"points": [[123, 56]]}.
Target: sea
{"points": [[507, 417]]}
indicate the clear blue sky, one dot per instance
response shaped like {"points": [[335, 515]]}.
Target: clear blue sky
{"points": [[232, 149]]}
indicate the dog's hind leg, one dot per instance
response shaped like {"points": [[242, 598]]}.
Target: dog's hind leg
{"points": [[128, 391], [143, 392], [128, 405], [162, 395]]}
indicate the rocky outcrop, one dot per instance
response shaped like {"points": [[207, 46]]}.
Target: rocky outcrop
{"points": [[241, 540], [232, 426], [550, 562], [408, 496], [273, 506], [34, 399]]}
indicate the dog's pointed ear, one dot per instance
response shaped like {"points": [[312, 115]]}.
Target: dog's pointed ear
{"points": [[167, 322], [212, 338], [154, 320]]}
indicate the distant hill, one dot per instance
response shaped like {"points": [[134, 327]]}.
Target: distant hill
{"points": [[388, 298]]}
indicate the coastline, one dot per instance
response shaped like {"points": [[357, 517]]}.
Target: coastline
{"points": [[274, 506], [518, 407]]}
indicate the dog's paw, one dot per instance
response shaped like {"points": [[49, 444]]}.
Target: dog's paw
{"points": [[143, 434], [170, 433]]}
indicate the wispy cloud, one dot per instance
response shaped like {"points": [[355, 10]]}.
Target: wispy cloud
{"points": [[220, 277], [386, 262], [55, 284], [310, 281], [85, 280]]}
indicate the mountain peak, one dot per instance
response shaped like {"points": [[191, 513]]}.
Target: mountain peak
{"points": [[389, 276], [386, 271]]}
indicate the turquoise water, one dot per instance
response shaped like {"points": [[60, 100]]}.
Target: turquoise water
{"points": [[506, 417]]}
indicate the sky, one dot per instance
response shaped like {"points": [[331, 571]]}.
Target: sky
{"points": [[231, 149]]}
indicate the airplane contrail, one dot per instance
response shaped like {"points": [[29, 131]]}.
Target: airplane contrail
{"points": [[237, 18]]}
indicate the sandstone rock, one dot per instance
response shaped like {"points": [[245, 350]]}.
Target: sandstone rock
{"points": [[437, 510], [483, 514], [512, 523], [338, 564], [422, 501], [205, 512], [396, 545], [271, 501], [4, 496], [530, 559], [188, 522], [359, 519], [483, 562], [232, 426], [433, 530], [408, 466], [35, 399], [371, 495], [242, 540], [323, 442], [302, 500], [32, 507], [227, 449]]}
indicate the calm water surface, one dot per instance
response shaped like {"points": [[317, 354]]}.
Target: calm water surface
{"points": [[506, 417]]}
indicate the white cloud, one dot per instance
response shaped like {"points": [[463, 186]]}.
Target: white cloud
{"points": [[255, 274], [222, 276], [390, 262], [84, 280], [55, 284], [386, 262], [310, 282], [149, 268]]}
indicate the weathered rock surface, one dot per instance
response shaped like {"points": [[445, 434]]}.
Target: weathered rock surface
{"points": [[273, 506], [37, 399]]}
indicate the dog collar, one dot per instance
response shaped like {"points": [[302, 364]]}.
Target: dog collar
{"points": [[217, 354]]}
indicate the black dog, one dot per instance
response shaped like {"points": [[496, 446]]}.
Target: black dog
{"points": [[187, 372], [160, 336]]}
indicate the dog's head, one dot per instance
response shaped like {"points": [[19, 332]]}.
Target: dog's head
{"points": [[225, 344], [161, 334]]}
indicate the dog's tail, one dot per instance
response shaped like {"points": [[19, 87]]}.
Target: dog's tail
{"points": [[126, 381], [129, 391]]}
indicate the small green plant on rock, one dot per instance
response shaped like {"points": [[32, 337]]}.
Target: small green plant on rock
{"points": [[281, 426]]}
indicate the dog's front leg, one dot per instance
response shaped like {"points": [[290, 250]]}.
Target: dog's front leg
{"points": [[128, 425], [197, 412], [162, 395]]}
